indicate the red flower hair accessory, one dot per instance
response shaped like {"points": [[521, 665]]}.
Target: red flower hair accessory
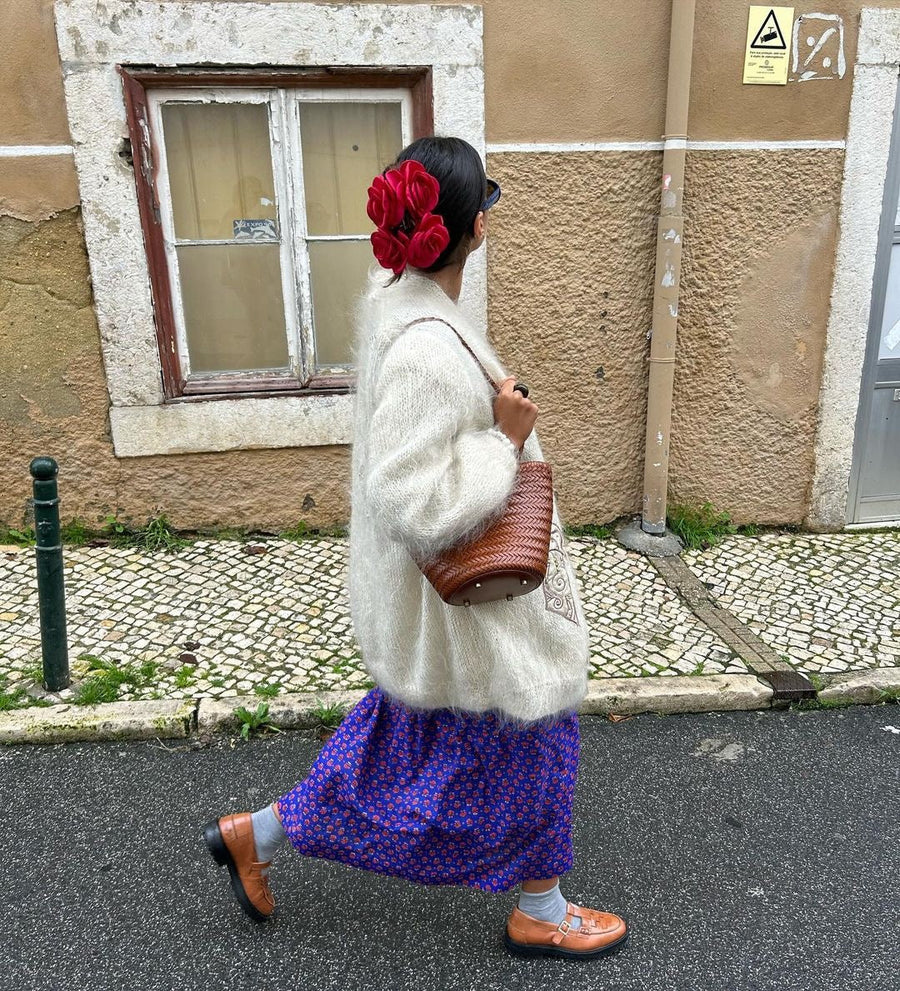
{"points": [[408, 191]]}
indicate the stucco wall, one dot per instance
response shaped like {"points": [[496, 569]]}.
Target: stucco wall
{"points": [[756, 282], [571, 264], [53, 401]]}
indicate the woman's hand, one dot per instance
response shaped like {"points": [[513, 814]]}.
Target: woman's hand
{"points": [[513, 413]]}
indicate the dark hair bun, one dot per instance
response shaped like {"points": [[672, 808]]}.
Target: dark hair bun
{"points": [[458, 168]]}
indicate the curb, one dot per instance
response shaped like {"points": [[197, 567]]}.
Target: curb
{"points": [[667, 694], [108, 721], [861, 687], [285, 711], [180, 718]]}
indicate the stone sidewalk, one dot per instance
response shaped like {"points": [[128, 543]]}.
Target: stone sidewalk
{"points": [[224, 618]]}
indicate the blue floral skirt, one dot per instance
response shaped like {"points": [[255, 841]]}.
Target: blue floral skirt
{"points": [[439, 797]]}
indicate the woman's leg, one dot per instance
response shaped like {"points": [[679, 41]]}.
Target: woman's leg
{"points": [[542, 899], [536, 887], [268, 832]]}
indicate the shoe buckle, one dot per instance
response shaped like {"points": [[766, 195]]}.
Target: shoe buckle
{"points": [[562, 930], [565, 931]]}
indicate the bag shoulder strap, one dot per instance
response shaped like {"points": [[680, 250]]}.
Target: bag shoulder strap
{"points": [[462, 341]]}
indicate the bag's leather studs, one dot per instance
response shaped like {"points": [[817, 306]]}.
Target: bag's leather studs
{"points": [[477, 584], [509, 597], [524, 581]]}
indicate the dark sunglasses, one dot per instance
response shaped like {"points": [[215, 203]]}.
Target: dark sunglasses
{"points": [[493, 194]]}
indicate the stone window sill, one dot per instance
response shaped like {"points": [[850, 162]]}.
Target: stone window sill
{"points": [[231, 425]]}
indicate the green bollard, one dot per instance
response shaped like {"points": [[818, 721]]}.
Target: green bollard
{"points": [[51, 590]]}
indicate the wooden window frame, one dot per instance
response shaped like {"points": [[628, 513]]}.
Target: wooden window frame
{"points": [[137, 81]]}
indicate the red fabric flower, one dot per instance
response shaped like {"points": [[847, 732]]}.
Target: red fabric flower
{"points": [[387, 199], [390, 249], [428, 241], [408, 189], [421, 187]]}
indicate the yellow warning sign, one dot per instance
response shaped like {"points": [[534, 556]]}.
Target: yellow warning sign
{"points": [[766, 57]]}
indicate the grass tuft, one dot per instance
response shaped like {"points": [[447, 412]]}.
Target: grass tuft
{"points": [[18, 538], [700, 526], [268, 691], [254, 722], [329, 716], [588, 530]]}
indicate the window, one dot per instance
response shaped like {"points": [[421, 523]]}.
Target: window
{"points": [[258, 213], [173, 374]]}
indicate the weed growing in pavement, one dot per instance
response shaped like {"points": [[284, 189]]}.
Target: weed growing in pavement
{"points": [[749, 530], [804, 705], [268, 691], [254, 722], [19, 538], [105, 678], [329, 716], [11, 698], [700, 527], [184, 676], [888, 694], [588, 530], [75, 533], [303, 531]]}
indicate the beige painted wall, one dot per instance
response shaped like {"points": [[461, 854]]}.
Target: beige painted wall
{"points": [[571, 255], [53, 401]]}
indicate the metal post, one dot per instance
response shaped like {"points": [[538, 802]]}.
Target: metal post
{"points": [[51, 590]]}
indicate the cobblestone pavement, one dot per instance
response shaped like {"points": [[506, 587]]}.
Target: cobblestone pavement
{"points": [[827, 603], [225, 617]]}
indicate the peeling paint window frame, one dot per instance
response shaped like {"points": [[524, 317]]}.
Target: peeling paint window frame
{"points": [[146, 90]]}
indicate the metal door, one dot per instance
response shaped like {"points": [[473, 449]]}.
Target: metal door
{"points": [[875, 479]]}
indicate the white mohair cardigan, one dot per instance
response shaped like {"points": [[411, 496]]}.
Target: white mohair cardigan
{"points": [[429, 467]]}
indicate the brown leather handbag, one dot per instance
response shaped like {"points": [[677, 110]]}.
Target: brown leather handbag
{"points": [[510, 557]]}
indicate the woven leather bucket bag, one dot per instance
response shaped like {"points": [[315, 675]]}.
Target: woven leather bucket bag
{"points": [[509, 558]]}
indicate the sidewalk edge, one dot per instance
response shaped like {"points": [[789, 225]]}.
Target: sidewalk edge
{"points": [[180, 718], [164, 718]]}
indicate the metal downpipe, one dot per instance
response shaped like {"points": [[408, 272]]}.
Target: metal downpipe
{"points": [[668, 271]]}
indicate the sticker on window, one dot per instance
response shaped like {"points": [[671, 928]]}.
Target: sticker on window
{"points": [[254, 230]]}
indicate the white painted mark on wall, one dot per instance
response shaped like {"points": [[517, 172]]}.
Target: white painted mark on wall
{"points": [[673, 236], [673, 310], [891, 729], [668, 278], [818, 48], [667, 181]]}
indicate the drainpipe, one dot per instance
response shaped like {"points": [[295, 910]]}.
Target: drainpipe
{"points": [[668, 271]]}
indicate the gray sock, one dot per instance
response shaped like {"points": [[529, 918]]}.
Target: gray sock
{"points": [[548, 906], [268, 833]]}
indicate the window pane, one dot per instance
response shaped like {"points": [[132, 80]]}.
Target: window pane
{"points": [[233, 307], [344, 146], [220, 170], [338, 273]]}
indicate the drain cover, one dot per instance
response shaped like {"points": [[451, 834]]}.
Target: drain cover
{"points": [[789, 685]]}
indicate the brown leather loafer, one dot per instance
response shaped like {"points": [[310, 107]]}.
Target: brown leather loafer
{"points": [[599, 933], [230, 841]]}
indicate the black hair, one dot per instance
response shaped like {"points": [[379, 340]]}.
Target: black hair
{"points": [[458, 169]]}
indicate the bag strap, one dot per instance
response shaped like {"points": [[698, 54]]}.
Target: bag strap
{"points": [[462, 340]]}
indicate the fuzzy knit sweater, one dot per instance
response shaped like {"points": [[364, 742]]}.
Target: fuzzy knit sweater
{"points": [[430, 468]]}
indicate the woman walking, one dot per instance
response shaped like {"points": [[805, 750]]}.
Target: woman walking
{"points": [[459, 767]]}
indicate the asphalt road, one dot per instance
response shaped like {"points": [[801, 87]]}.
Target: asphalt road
{"points": [[747, 850]]}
